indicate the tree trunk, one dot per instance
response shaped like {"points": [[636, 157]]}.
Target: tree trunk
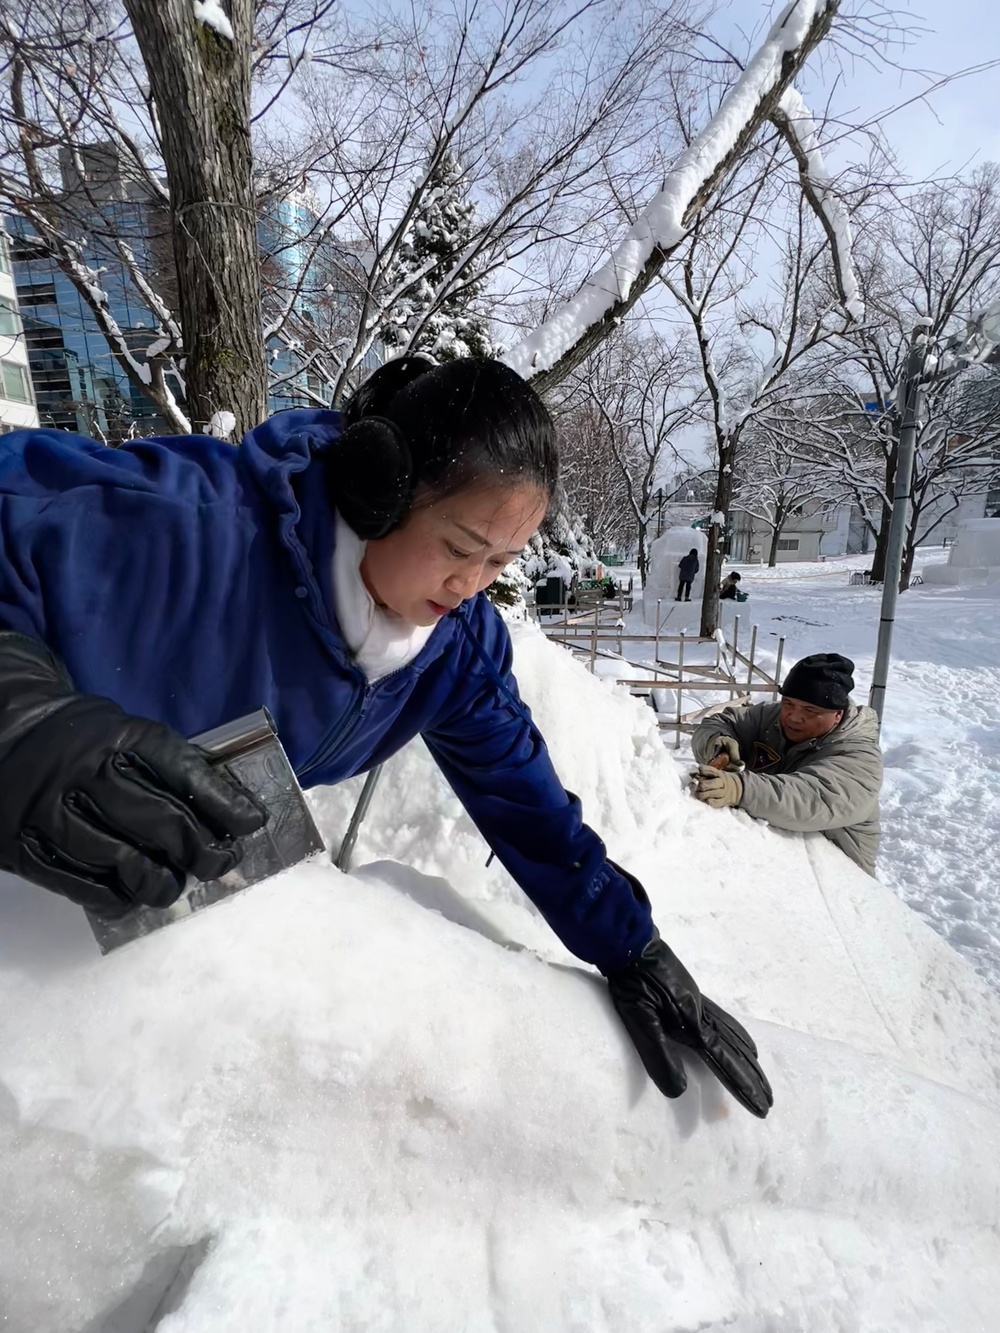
{"points": [[643, 555], [909, 547], [200, 81], [772, 555], [909, 551], [717, 542], [780, 519]]}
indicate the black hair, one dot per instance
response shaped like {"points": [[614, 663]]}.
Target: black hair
{"points": [[416, 429], [693, 550]]}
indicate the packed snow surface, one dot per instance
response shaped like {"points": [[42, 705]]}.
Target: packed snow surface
{"points": [[391, 1101]]}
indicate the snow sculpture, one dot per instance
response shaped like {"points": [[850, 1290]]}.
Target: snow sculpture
{"points": [[974, 559], [665, 554]]}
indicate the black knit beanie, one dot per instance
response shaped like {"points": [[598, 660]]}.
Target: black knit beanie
{"points": [[824, 680]]}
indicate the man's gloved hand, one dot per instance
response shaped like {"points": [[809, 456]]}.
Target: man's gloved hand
{"points": [[727, 745], [663, 1010], [109, 810], [718, 787]]}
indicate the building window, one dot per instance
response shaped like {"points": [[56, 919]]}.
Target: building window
{"points": [[10, 323], [15, 382], [788, 543], [36, 293]]}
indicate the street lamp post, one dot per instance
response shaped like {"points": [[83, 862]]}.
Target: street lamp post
{"points": [[978, 346], [911, 392]]}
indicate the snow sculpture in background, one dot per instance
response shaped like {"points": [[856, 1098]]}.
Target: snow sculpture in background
{"points": [[974, 559], [665, 555]]}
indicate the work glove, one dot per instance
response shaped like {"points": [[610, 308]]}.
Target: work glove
{"points": [[111, 811], [718, 787], [727, 745], [663, 1010]]}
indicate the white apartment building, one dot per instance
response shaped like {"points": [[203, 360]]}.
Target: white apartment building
{"points": [[17, 398]]}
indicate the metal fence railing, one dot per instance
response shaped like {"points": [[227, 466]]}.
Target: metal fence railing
{"points": [[677, 669]]}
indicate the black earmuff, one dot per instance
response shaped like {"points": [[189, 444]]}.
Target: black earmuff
{"points": [[370, 477]]}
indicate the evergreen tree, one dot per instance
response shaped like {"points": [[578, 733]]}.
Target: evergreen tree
{"points": [[561, 548], [441, 228]]}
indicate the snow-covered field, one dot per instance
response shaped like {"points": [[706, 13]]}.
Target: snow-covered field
{"points": [[391, 1101]]}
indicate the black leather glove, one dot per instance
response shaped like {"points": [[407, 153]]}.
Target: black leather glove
{"points": [[109, 810], [662, 1008]]}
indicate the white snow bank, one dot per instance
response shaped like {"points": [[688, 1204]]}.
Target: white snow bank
{"points": [[393, 1102]]}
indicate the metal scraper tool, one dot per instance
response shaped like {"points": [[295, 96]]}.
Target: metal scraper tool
{"points": [[250, 749]]}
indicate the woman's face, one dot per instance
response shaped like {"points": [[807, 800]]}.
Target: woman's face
{"points": [[450, 549]]}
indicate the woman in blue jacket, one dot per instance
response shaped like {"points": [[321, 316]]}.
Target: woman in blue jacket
{"points": [[331, 569]]}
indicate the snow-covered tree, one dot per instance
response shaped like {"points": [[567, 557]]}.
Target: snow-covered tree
{"points": [[772, 484], [925, 265], [434, 254], [756, 352], [555, 110], [562, 548]]}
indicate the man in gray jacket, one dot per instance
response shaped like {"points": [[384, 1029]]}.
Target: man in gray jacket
{"points": [[810, 763]]}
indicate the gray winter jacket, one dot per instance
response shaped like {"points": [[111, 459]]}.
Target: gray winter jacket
{"points": [[828, 786]]}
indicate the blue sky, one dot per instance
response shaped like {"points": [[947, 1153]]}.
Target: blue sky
{"points": [[956, 126]]}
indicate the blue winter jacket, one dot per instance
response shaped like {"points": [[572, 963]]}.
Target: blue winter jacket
{"points": [[191, 582]]}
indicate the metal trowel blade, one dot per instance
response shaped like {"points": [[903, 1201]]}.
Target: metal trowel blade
{"points": [[250, 749]]}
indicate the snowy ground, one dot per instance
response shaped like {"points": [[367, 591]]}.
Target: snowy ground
{"points": [[391, 1101], [941, 734]]}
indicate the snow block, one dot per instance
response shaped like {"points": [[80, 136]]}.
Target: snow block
{"points": [[665, 554]]}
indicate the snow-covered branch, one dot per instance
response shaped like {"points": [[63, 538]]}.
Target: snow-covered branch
{"points": [[568, 335], [792, 118]]}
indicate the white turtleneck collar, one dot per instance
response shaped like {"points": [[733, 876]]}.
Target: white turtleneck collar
{"points": [[380, 641]]}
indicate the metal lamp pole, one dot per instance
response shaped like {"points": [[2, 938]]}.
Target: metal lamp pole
{"points": [[912, 388]]}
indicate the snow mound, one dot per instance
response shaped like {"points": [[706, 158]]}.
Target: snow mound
{"points": [[391, 1101]]}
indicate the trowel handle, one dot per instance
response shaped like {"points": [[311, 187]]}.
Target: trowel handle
{"points": [[720, 761]]}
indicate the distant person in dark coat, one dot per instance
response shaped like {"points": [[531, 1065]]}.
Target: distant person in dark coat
{"points": [[729, 587], [689, 567]]}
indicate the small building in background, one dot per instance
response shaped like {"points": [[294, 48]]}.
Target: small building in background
{"points": [[750, 538], [17, 400]]}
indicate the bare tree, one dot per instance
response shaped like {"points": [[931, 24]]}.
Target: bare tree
{"points": [[536, 161], [641, 392], [754, 355], [380, 106], [929, 262], [199, 71], [142, 179], [594, 484], [773, 483], [195, 130], [762, 91]]}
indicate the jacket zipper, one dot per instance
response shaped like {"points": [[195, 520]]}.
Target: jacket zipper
{"points": [[353, 715], [356, 711], [328, 746]]}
